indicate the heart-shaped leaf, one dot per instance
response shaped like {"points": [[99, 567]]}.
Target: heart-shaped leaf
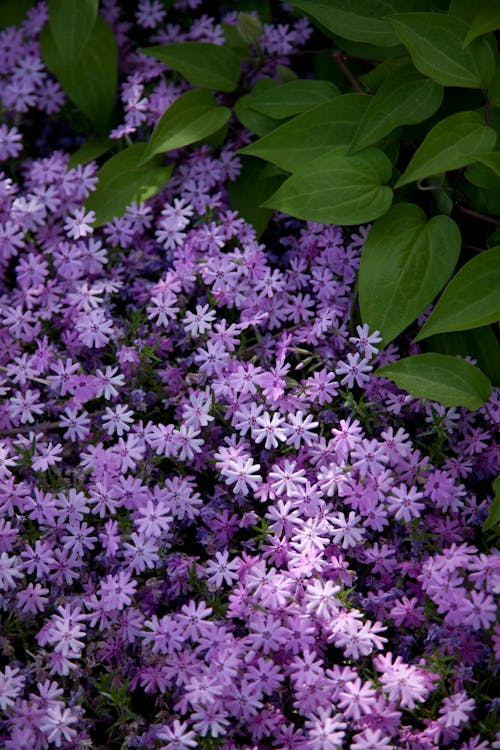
{"points": [[309, 135], [471, 299], [123, 180], [435, 42], [337, 188], [207, 65], [406, 261], [438, 377], [451, 144]]}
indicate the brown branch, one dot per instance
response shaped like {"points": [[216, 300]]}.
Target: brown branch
{"points": [[339, 58], [477, 215]]}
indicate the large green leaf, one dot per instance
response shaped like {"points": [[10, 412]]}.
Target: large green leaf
{"points": [[309, 135], [255, 183], [406, 262], [435, 43], [404, 98], [248, 116], [358, 20], [123, 180], [491, 160], [192, 117], [451, 144], [493, 518], [292, 98], [471, 299], [71, 23], [485, 19], [438, 377], [91, 84], [207, 65], [479, 343], [91, 150], [337, 188]]}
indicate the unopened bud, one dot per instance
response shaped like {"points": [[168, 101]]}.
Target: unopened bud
{"points": [[249, 28]]}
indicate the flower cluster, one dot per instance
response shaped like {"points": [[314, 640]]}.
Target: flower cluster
{"points": [[218, 526]]}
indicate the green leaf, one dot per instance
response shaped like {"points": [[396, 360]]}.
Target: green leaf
{"points": [[471, 299], [192, 117], [485, 19], [205, 65], [406, 261], [482, 176], [480, 343], [494, 89], [293, 98], [492, 161], [71, 23], [249, 117], [91, 85], [451, 144], [438, 377], [435, 43], [90, 150], [309, 135], [493, 518], [358, 20], [255, 183], [123, 180], [404, 98], [337, 188]]}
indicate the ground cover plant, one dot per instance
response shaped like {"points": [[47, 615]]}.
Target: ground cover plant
{"points": [[247, 486]]}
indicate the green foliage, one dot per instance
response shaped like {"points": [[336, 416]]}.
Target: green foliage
{"points": [[12, 12], [440, 377], [404, 98], [405, 109], [205, 65], [293, 97], [192, 117], [71, 23], [295, 144], [453, 143], [124, 179], [471, 299], [435, 42], [359, 20], [338, 188], [90, 82], [406, 261]]}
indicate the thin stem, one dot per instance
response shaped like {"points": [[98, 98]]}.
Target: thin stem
{"points": [[29, 377], [421, 186], [339, 58], [477, 215], [487, 109]]}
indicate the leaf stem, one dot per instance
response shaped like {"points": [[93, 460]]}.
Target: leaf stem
{"points": [[339, 58], [477, 214]]}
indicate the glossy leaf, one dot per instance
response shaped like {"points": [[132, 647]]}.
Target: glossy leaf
{"points": [[123, 180], [248, 116], [435, 43], [255, 183], [451, 144], [337, 188], [90, 150], [438, 377], [358, 20], [485, 19], [91, 84], [71, 23], [406, 262], [493, 518], [471, 299], [309, 135], [292, 98], [207, 65], [405, 98], [479, 343], [192, 117], [491, 160]]}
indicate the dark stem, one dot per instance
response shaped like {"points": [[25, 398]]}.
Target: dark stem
{"points": [[339, 58], [477, 215], [487, 109]]}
